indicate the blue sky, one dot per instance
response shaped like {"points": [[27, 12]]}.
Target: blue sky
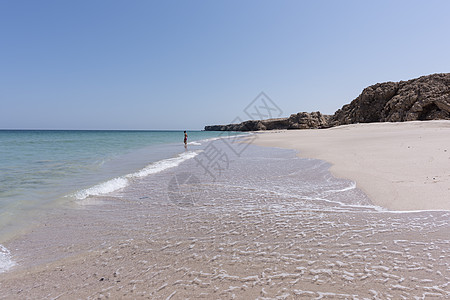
{"points": [[185, 64]]}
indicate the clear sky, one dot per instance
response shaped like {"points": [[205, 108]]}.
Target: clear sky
{"points": [[106, 64]]}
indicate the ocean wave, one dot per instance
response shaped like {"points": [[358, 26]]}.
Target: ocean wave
{"points": [[246, 134], [123, 181], [164, 164], [102, 188], [5, 259], [194, 143]]}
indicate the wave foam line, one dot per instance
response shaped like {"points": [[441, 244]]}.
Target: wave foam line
{"points": [[247, 134], [123, 181], [6, 262], [348, 188]]}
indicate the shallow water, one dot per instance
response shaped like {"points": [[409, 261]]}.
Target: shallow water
{"points": [[44, 169]]}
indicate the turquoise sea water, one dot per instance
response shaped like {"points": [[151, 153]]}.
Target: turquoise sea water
{"points": [[40, 168]]}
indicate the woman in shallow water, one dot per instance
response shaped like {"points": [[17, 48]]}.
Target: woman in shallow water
{"points": [[185, 139]]}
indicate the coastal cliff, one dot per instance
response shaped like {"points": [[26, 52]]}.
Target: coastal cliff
{"points": [[423, 98]]}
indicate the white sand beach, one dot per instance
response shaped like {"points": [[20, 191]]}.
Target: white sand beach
{"points": [[400, 166], [272, 227]]}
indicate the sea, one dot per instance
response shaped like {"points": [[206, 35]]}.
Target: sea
{"points": [[42, 169]]}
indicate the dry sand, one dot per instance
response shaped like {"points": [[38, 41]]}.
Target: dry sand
{"points": [[400, 166]]}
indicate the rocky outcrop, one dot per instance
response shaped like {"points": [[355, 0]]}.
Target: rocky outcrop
{"points": [[423, 98], [301, 120], [304, 120]]}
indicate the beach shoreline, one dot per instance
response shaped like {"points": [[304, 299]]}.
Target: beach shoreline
{"points": [[400, 166], [270, 225]]}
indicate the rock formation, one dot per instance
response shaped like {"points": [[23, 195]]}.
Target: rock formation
{"points": [[423, 98], [302, 120]]}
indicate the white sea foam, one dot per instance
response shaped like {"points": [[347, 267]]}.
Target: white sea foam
{"points": [[227, 137], [5, 259], [351, 186], [164, 164], [194, 143], [103, 188], [123, 181]]}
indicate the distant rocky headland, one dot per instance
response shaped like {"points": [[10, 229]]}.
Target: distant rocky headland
{"points": [[423, 98]]}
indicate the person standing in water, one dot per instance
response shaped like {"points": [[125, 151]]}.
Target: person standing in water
{"points": [[185, 139]]}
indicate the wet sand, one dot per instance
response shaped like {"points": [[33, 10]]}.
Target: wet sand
{"points": [[401, 166], [271, 226]]}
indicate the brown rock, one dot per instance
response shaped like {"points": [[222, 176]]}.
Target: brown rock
{"points": [[423, 98], [305, 120], [301, 120]]}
